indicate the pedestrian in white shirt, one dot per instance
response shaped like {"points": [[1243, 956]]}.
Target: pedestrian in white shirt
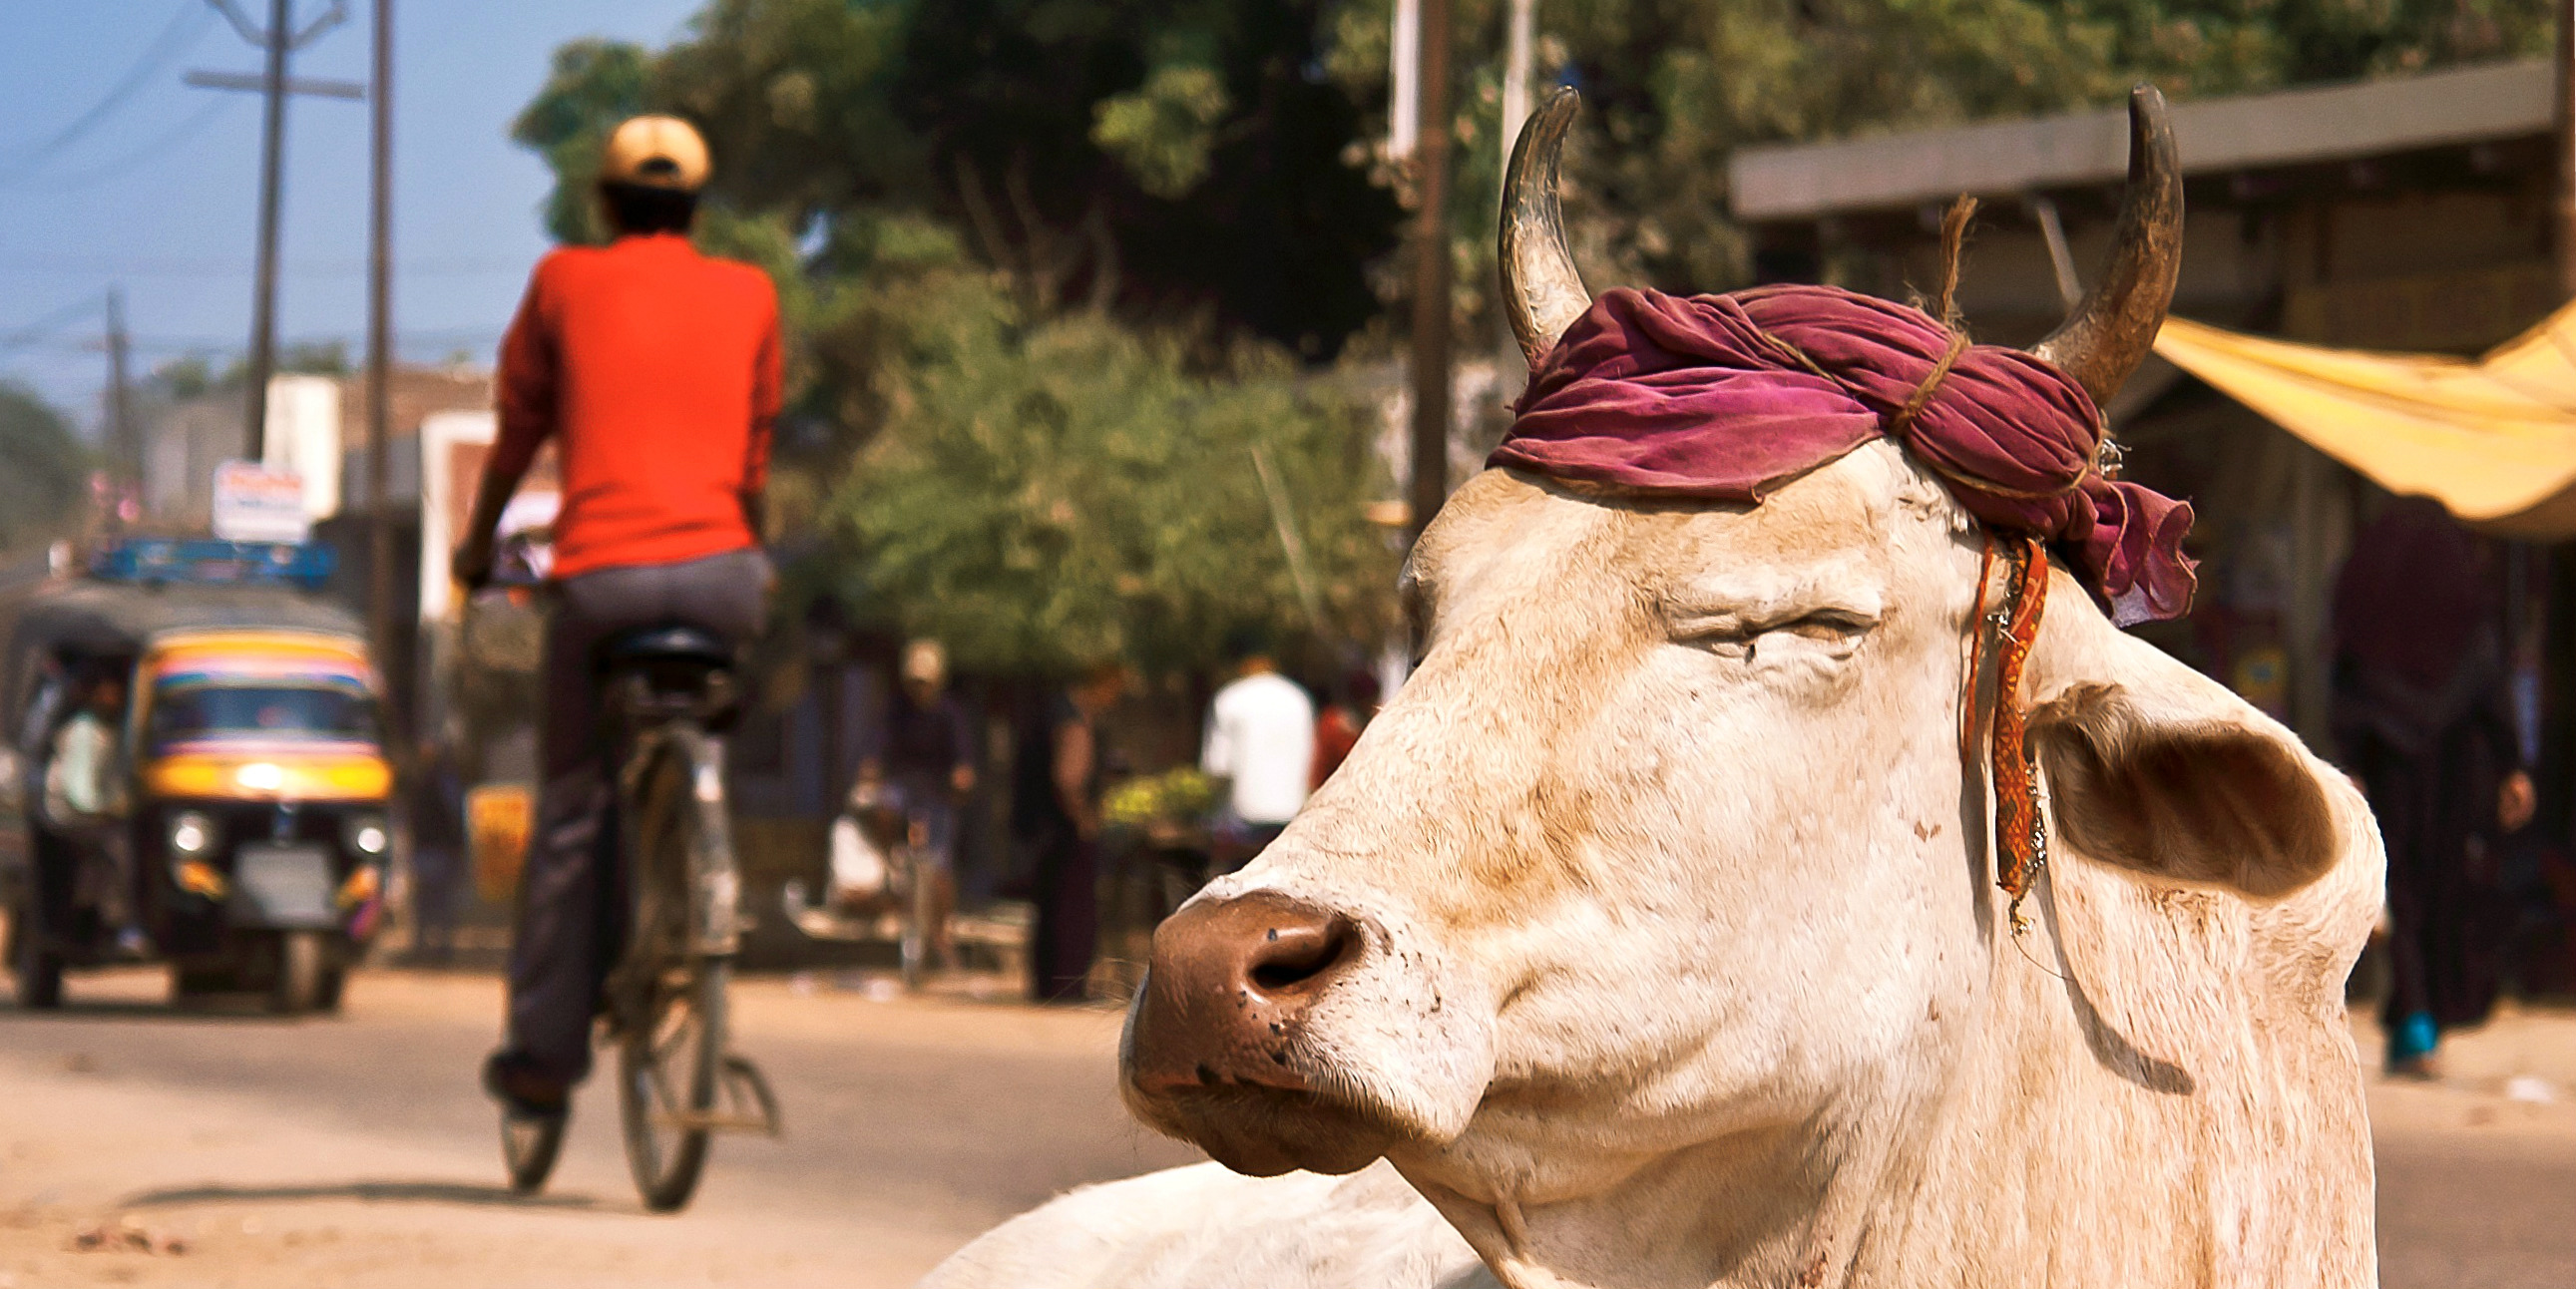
{"points": [[1261, 743]]}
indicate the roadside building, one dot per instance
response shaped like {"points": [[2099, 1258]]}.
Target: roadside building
{"points": [[317, 428], [2403, 214]]}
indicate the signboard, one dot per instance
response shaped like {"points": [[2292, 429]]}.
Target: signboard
{"points": [[303, 437], [498, 817], [257, 504]]}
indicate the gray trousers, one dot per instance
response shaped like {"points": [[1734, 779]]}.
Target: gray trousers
{"points": [[571, 902]]}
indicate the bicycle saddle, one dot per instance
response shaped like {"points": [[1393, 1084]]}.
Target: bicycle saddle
{"points": [[674, 643]]}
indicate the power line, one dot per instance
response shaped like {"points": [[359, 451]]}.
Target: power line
{"points": [[44, 328], [173, 41], [464, 336], [251, 33], [184, 131], [105, 266]]}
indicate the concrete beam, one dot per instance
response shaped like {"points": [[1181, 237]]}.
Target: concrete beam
{"points": [[2254, 131]]}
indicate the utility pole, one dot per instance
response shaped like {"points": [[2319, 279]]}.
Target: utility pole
{"points": [[272, 165], [380, 347], [1431, 287], [123, 442], [277, 39]]}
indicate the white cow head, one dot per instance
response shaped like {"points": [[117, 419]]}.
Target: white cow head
{"points": [[1664, 876]]}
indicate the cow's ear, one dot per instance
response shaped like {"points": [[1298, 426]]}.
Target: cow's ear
{"points": [[2184, 790]]}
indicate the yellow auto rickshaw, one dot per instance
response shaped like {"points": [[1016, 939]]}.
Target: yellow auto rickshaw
{"points": [[201, 779]]}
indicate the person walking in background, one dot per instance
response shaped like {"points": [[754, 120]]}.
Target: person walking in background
{"points": [[929, 761], [1058, 815], [1261, 745], [437, 802], [2422, 716], [1337, 731]]}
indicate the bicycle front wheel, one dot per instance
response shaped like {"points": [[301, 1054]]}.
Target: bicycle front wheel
{"points": [[667, 1083], [913, 951], [668, 995]]}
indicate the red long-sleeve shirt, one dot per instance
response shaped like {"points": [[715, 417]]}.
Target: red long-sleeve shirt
{"points": [[657, 371]]}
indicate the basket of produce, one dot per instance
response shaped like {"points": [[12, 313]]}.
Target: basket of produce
{"points": [[1170, 808]]}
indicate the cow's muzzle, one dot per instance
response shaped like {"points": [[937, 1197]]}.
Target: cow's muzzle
{"points": [[1231, 983], [1217, 1051]]}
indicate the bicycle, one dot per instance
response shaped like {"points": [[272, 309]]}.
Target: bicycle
{"points": [[882, 868], [667, 691]]}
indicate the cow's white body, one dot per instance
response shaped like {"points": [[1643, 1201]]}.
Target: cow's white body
{"points": [[1684, 964], [1189, 1228]]}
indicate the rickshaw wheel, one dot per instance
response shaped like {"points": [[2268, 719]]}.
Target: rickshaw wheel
{"points": [[38, 974], [197, 986], [297, 985]]}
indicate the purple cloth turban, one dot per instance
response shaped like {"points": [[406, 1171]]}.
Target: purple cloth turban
{"points": [[1727, 397]]}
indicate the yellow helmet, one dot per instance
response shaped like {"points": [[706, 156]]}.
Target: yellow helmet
{"points": [[655, 152]]}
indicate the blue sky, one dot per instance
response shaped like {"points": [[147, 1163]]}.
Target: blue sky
{"points": [[159, 194]]}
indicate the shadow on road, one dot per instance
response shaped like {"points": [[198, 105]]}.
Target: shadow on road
{"points": [[371, 1192], [224, 1011]]}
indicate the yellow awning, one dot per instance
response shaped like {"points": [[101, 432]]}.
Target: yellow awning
{"points": [[2491, 438]]}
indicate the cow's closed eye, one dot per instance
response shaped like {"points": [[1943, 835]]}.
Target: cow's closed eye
{"points": [[1827, 633]]}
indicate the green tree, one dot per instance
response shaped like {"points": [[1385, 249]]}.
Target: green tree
{"points": [[593, 85], [1011, 242], [1048, 496], [181, 378], [43, 469], [1113, 154], [1672, 87]]}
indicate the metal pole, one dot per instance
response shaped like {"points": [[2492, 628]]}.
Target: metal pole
{"points": [[2052, 230], [1404, 62], [380, 353], [2566, 149], [1517, 57], [272, 160], [1431, 287]]}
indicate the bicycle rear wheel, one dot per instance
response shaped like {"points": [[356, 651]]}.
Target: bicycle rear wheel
{"points": [[671, 1010]]}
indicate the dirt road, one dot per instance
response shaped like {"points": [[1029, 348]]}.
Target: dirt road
{"points": [[358, 1152], [246, 1151]]}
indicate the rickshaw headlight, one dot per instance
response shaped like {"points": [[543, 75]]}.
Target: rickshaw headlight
{"points": [[367, 835], [192, 834]]}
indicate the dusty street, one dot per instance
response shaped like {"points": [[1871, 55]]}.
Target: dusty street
{"points": [[356, 1151]]}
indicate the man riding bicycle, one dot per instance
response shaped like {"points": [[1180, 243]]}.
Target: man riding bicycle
{"points": [[656, 371]]}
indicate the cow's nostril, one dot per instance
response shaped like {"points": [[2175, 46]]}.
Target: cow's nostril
{"points": [[1230, 986], [1305, 955]]}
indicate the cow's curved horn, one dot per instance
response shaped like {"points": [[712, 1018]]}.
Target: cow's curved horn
{"points": [[2114, 326], [1541, 289]]}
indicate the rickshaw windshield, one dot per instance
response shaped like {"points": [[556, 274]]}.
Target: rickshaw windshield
{"points": [[268, 710]]}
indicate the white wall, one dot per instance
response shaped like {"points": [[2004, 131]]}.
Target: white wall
{"points": [[444, 498], [304, 436]]}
